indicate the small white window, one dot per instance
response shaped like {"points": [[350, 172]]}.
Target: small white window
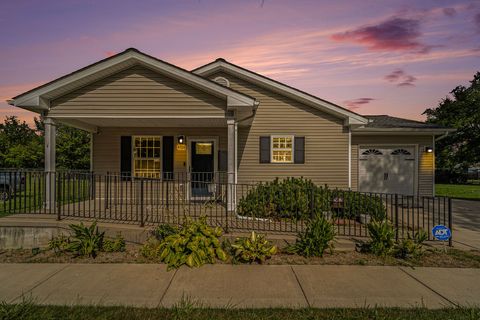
{"points": [[282, 149], [223, 81]]}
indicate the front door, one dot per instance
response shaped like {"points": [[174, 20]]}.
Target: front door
{"points": [[202, 167]]}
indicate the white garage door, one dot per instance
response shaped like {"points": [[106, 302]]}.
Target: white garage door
{"points": [[387, 169]]}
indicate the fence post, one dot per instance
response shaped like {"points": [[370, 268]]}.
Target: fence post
{"points": [[59, 197], [142, 223], [396, 216], [450, 221]]}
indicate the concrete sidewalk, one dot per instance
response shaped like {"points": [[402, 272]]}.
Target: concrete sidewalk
{"points": [[240, 286]]}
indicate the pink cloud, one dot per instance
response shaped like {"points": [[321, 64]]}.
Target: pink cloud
{"points": [[397, 34], [355, 104], [401, 78]]}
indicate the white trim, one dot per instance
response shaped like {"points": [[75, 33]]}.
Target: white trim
{"points": [[416, 170], [349, 158], [293, 147], [130, 57], [352, 118], [399, 131], [133, 117], [222, 79]]}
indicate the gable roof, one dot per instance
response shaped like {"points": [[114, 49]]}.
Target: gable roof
{"points": [[384, 123], [351, 118], [38, 99]]}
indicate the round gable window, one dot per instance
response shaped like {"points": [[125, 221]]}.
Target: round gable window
{"points": [[223, 81]]}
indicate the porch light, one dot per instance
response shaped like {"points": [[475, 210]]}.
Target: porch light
{"points": [[181, 139], [428, 149]]}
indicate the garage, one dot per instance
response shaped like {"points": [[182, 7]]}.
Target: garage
{"points": [[387, 169]]}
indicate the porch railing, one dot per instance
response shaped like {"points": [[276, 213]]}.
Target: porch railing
{"points": [[175, 197]]}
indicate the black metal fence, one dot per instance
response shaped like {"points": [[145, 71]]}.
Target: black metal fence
{"points": [[176, 197]]}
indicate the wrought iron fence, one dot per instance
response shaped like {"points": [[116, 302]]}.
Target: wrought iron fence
{"points": [[176, 197]]}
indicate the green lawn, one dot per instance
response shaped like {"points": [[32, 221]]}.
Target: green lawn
{"points": [[462, 191], [186, 311]]}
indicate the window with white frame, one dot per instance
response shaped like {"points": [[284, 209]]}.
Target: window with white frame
{"points": [[282, 149], [147, 156]]}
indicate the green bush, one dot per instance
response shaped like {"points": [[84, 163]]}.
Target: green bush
{"points": [[194, 244], [412, 247], [382, 237], [114, 245], [253, 249], [86, 241], [299, 198], [318, 236], [163, 231], [59, 244]]}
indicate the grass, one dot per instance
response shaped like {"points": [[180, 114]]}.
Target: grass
{"points": [[188, 310], [460, 191]]}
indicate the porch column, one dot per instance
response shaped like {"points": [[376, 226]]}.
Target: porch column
{"points": [[50, 135], [231, 159]]}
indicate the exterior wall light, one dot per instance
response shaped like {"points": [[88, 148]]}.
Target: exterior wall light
{"points": [[181, 139], [428, 149]]}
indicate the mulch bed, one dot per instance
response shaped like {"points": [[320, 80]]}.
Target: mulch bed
{"points": [[431, 258]]}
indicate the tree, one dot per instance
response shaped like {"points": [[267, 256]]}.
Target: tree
{"points": [[461, 149], [23, 147]]}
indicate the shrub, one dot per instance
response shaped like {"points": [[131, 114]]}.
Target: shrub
{"points": [[114, 245], [86, 241], [318, 237], [253, 249], [299, 198], [59, 244], [194, 244], [382, 237], [163, 231], [412, 247]]}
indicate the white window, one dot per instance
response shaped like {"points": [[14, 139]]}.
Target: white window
{"points": [[282, 149], [147, 156]]}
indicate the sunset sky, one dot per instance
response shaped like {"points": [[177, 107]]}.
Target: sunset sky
{"points": [[374, 57]]}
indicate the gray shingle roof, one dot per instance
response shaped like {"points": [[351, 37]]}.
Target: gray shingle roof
{"points": [[384, 121]]}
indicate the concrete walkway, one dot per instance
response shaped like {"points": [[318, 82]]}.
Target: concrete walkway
{"points": [[240, 286]]}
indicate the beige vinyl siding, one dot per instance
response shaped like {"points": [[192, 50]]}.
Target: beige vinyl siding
{"points": [[106, 144], [326, 140], [138, 91], [425, 171]]}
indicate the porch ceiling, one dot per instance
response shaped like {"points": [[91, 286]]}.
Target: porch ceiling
{"points": [[91, 124]]}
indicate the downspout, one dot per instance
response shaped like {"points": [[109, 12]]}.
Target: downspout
{"points": [[349, 158]]}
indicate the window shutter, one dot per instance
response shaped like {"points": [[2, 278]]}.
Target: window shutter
{"points": [[299, 152], [126, 156], [264, 149], [167, 158]]}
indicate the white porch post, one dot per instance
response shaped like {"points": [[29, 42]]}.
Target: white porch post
{"points": [[231, 159], [50, 135]]}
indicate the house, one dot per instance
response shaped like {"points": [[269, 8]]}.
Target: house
{"points": [[149, 118]]}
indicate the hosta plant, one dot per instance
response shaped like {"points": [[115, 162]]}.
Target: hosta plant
{"points": [[253, 249], [163, 231], [86, 241], [382, 237], [194, 244], [318, 237]]}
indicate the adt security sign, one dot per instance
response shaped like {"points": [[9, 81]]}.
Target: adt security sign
{"points": [[441, 233]]}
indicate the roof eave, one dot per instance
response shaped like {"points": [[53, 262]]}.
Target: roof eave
{"points": [[427, 131]]}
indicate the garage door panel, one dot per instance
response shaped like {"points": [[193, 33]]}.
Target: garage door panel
{"points": [[387, 169]]}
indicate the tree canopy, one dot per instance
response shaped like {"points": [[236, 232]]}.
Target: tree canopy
{"points": [[461, 110], [22, 146]]}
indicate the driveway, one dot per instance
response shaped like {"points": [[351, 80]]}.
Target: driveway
{"points": [[466, 224]]}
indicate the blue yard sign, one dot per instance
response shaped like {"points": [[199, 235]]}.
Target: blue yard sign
{"points": [[441, 233]]}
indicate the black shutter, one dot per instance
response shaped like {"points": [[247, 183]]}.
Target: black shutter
{"points": [[167, 158], [264, 149], [222, 161], [299, 154], [126, 156]]}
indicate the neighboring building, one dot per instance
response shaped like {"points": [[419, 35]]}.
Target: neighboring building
{"points": [[148, 117]]}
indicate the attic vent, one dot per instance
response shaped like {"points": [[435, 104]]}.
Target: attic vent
{"points": [[223, 81]]}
